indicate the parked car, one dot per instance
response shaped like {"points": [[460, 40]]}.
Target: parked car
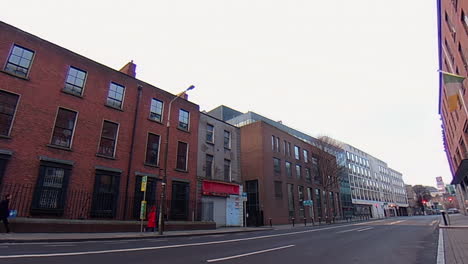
{"points": [[453, 211]]}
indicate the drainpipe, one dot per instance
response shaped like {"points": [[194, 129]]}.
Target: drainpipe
{"points": [[130, 159]]}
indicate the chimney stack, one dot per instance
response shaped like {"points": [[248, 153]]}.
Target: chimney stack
{"points": [[129, 69]]}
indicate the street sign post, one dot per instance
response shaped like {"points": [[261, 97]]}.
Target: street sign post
{"points": [[143, 210], [144, 181], [244, 196]]}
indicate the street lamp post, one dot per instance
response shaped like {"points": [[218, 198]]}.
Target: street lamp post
{"points": [[166, 151]]}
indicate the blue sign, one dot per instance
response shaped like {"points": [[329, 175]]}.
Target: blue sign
{"points": [[308, 202], [244, 194], [12, 214]]}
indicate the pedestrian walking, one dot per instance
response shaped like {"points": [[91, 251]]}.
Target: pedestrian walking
{"points": [[152, 219], [5, 211]]}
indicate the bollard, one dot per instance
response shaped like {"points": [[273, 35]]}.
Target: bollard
{"points": [[271, 223], [292, 219], [313, 221], [305, 221], [445, 219]]}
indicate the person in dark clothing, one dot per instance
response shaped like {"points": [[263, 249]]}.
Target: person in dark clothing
{"points": [[5, 211]]}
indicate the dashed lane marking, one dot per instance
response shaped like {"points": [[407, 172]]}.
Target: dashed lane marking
{"points": [[249, 254], [396, 222], [349, 230], [364, 229]]}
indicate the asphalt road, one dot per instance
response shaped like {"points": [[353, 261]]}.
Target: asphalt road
{"points": [[397, 240]]}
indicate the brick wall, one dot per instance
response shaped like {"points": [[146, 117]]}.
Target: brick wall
{"points": [[40, 97]]}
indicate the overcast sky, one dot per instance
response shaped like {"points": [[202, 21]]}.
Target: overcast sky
{"points": [[361, 71]]}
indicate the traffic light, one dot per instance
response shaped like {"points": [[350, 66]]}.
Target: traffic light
{"points": [[450, 199], [424, 201]]}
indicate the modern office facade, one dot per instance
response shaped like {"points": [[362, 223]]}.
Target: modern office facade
{"points": [[377, 190], [78, 137], [219, 173], [453, 58], [280, 172]]}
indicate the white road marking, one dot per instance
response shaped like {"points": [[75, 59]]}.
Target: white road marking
{"points": [[168, 246], [440, 248], [396, 222], [248, 254], [350, 230], [59, 245], [365, 229], [371, 223]]}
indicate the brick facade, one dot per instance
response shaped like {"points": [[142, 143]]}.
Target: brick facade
{"points": [[261, 143], [453, 58], [41, 94]]}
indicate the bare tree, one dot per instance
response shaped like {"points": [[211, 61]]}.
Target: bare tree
{"points": [[329, 171]]}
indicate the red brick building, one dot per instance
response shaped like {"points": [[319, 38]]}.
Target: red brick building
{"points": [[453, 58], [76, 136], [280, 172]]}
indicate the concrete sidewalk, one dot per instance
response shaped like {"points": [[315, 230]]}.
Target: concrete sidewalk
{"points": [[455, 239]]}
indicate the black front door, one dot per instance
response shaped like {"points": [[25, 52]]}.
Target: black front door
{"points": [[254, 216], [180, 201]]}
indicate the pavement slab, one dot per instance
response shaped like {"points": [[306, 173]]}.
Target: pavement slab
{"points": [[456, 246]]}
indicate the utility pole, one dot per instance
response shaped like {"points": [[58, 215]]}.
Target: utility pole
{"points": [[162, 204]]}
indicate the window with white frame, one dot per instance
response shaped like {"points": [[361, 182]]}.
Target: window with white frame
{"points": [[156, 110], [63, 129], [184, 119], [108, 139], [116, 95], [75, 81], [19, 61], [152, 149]]}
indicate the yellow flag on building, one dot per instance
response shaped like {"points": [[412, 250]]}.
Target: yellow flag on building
{"points": [[453, 84]]}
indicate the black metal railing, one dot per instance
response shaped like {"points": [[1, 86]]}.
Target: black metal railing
{"points": [[86, 204]]}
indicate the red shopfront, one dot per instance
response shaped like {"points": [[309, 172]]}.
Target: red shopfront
{"points": [[221, 203]]}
